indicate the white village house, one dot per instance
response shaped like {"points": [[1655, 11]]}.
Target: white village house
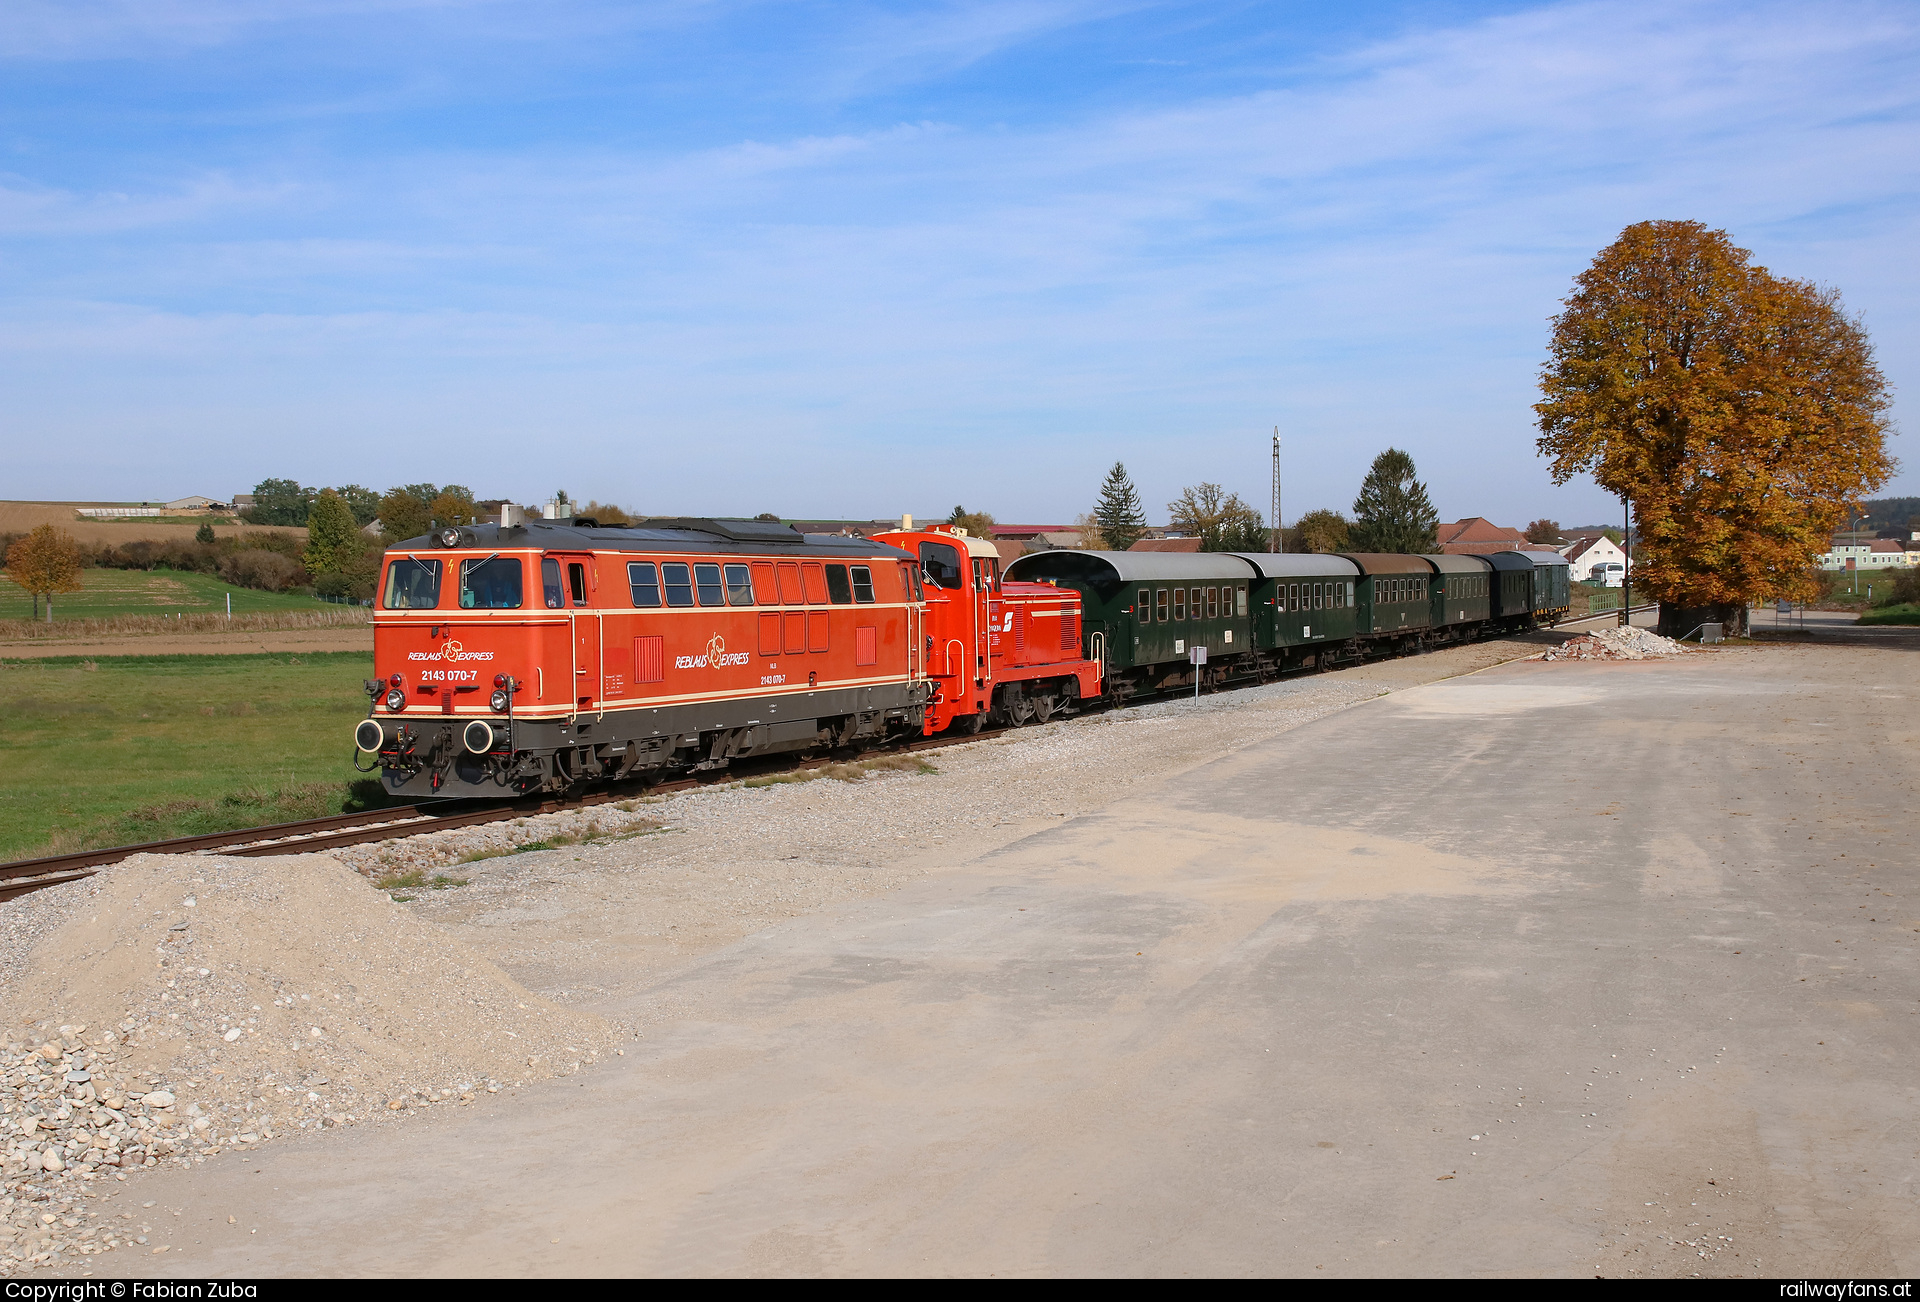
{"points": [[1871, 554], [1589, 550]]}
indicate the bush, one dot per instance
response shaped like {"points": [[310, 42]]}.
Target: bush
{"points": [[256, 568], [1904, 590]]}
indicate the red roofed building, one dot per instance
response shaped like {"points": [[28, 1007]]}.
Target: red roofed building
{"points": [[1166, 545], [1477, 536]]}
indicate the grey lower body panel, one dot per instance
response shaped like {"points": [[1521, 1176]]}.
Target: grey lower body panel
{"points": [[423, 756]]}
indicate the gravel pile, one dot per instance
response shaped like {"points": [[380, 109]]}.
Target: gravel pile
{"points": [[181, 1006], [1615, 644]]}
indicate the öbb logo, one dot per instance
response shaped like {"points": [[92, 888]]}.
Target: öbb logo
{"points": [[717, 656]]}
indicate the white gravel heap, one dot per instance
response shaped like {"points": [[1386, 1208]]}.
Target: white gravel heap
{"points": [[1615, 644]]}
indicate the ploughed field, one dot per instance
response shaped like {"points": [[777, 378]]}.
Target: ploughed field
{"points": [[123, 749]]}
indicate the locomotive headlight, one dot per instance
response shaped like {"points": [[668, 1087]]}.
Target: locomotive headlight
{"points": [[499, 702], [449, 537], [396, 699]]}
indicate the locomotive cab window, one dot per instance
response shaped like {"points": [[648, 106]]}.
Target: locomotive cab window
{"points": [[706, 581], [862, 583], [491, 584], [554, 595], [679, 583], [413, 585], [644, 582], [577, 582], [941, 564], [739, 586], [839, 591]]}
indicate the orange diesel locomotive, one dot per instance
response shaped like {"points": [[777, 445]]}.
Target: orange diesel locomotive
{"points": [[537, 656]]}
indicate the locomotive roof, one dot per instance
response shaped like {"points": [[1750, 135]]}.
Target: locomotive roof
{"points": [[712, 537], [1277, 565], [1130, 566]]}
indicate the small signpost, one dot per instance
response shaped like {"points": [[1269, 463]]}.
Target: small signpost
{"points": [[1196, 656]]}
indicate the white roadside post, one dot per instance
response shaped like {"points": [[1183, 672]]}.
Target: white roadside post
{"points": [[229, 605], [1196, 656]]}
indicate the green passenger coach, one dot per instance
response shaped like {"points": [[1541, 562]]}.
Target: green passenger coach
{"points": [[1303, 603]]}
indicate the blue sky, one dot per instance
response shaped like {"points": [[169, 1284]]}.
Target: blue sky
{"points": [[858, 259]]}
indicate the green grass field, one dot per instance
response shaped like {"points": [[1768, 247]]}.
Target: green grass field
{"points": [[140, 748], [150, 592], [1904, 614]]}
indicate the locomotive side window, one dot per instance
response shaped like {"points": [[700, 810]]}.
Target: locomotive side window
{"points": [[942, 564], [555, 595], [913, 582], [679, 583], [1143, 606], [862, 583], [491, 584], [577, 580], [1160, 606], [839, 591], [1179, 604], [766, 591], [816, 583], [645, 585], [413, 585], [790, 583], [706, 580], [739, 586]]}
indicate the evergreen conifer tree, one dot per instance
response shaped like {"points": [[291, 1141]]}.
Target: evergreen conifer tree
{"points": [[1393, 512], [1122, 519], [332, 540]]}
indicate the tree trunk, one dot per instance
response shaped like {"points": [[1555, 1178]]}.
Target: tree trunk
{"points": [[1683, 621]]}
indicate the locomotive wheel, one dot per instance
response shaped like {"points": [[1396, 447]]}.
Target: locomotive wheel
{"points": [[970, 724], [1043, 708], [1019, 711]]}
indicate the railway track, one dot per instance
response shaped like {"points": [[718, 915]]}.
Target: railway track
{"points": [[340, 830]]}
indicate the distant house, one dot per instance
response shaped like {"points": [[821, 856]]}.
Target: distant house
{"points": [[1166, 545], [243, 501], [1869, 554], [1479, 536], [1587, 551]]}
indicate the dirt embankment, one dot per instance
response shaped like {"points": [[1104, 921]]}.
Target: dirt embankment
{"points": [[175, 1007]]}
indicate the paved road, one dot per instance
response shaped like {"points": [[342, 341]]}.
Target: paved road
{"points": [[1556, 969]]}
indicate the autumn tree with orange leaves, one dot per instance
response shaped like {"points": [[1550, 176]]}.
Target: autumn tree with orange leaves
{"points": [[45, 562], [1739, 412]]}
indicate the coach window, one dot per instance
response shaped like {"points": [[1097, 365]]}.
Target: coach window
{"points": [[706, 578], [839, 591], [862, 583], [1199, 604], [679, 583], [550, 589], [644, 581], [941, 565], [1213, 603], [1143, 606], [413, 585], [1160, 606], [490, 584], [1240, 602], [1179, 604]]}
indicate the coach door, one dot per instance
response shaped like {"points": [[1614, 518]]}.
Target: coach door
{"points": [[567, 582]]}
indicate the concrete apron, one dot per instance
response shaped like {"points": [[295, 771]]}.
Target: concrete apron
{"points": [[1487, 977]]}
